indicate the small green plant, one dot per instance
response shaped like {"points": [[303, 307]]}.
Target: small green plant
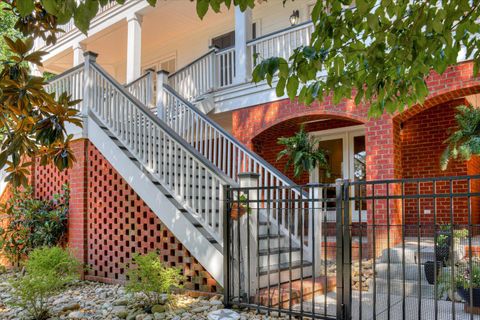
{"points": [[303, 153], [30, 223], [443, 238], [464, 142], [149, 276], [465, 273], [48, 270], [464, 277]]}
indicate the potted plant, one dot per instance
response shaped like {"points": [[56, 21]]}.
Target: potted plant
{"points": [[429, 268], [462, 142], [443, 243], [303, 152], [468, 281], [443, 247], [240, 207]]}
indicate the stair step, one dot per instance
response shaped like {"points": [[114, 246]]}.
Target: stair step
{"points": [[411, 255], [274, 268], [278, 250], [270, 236], [396, 271], [412, 288]]}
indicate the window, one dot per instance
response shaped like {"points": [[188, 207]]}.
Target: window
{"points": [[224, 41], [227, 40], [167, 64]]}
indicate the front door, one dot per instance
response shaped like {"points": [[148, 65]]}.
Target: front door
{"points": [[346, 158]]}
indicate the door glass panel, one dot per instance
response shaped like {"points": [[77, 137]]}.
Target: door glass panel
{"points": [[334, 150], [359, 169]]}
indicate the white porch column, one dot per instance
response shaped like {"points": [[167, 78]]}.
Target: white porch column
{"points": [[78, 52], [134, 47], [243, 33]]}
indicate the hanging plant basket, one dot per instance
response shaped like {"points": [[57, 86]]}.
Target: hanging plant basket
{"points": [[237, 211]]}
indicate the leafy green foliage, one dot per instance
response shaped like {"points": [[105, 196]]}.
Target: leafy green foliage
{"points": [[7, 23], [464, 141], [30, 223], [149, 276], [376, 52], [463, 277], [48, 270], [303, 153]]}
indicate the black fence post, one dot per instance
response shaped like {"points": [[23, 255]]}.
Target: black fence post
{"points": [[339, 244], [347, 253], [226, 246]]}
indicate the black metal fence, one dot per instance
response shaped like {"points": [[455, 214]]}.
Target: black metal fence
{"points": [[396, 249]]}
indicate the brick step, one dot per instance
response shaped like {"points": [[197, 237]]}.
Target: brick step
{"points": [[287, 294]]}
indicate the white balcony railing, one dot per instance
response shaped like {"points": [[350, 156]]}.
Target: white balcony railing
{"points": [[69, 27], [197, 78], [71, 82], [226, 67], [280, 43], [216, 69], [142, 89]]}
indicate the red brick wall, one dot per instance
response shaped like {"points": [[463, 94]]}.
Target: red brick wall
{"points": [[383, 136], [108, 222], [47, 181], [422, 145], [265, 144]]}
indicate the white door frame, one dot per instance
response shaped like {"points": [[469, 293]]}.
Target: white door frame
{"points": [[347, 134]]}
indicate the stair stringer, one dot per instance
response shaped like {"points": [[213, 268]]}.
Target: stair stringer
{"points": [[207, 254]]}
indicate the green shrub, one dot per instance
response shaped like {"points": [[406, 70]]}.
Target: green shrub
{"points": [[149, 276], [48, 270], [32, 223]]}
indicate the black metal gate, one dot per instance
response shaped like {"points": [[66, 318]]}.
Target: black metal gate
{"points": [[396, 249]]}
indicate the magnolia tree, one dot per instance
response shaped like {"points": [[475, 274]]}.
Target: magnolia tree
{"points": [[376, 52]]}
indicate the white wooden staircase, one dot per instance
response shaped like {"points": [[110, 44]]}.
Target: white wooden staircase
{"points": [[180, 166]]}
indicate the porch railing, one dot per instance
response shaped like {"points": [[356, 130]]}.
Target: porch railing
{"points": [[71, 82], [68, 27], [230, 156], [193, 181], [280, 43], [142, 89], [216, 69], [225, 67], [197, 78]]}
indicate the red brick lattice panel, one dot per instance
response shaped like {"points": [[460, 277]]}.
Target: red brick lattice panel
{"points": [[121, 224], [48, 180]]}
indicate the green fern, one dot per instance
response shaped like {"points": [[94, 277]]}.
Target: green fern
{"points": [[303, 153], [465, 141]]}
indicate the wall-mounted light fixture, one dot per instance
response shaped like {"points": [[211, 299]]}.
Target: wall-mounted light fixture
{"points": [[294, 17]]}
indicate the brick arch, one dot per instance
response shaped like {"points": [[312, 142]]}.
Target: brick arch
{"points": [[313, 122], [250, 122], [455, 83]]}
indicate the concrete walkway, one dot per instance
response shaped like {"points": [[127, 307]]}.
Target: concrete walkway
{"points": [[445, 309]]}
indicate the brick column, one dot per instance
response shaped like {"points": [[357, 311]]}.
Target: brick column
{"points": [[383, 163], [77, 221]]}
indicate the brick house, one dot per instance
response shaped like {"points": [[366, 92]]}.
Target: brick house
{"points": [[188, 103]]}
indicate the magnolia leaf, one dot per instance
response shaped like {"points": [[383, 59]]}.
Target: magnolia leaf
{"points": [[25, 7]]}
